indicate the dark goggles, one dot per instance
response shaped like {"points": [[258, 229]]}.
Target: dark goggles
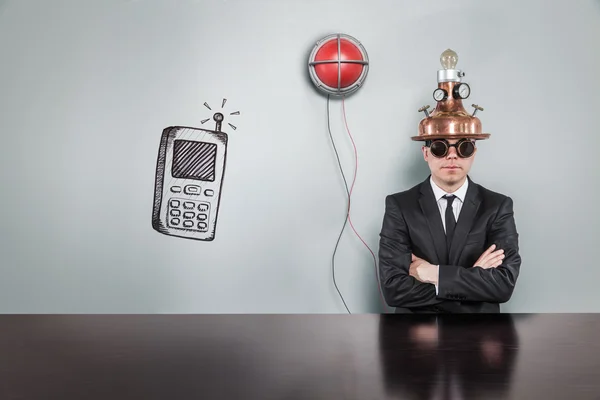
{"points": [[440, 147]]}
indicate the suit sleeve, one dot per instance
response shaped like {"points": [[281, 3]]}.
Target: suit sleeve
{"points": [[494, 285], [399, 288]]}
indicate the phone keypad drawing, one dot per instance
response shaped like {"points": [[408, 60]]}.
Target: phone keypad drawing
{"points": [[189, 179], [192, 215]]}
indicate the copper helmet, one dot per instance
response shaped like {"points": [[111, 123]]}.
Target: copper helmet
{"points": [[449, 119]]}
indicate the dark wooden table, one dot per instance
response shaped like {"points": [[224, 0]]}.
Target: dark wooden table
{"points": [[543, 356]]}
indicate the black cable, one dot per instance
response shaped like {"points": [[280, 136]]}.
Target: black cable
{"points": [[347, 211]]}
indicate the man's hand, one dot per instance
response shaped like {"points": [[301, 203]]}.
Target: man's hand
{"points": [[423, 271], [490, 258]]}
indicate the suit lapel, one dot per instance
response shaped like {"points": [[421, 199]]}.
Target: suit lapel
{"points": [[434, 221], [465, 222]]}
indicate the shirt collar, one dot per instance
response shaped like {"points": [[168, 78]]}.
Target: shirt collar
{"points": [[460, 193]]}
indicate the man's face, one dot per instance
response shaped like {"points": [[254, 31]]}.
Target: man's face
{"points": [[449, 169]]}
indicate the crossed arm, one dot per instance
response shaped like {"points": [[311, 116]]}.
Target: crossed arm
{"points": [[399, 287], [407, 282], [494, 284]]}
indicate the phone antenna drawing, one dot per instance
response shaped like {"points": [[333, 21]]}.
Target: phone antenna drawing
{"points": [[190, 171], [219, 115]]}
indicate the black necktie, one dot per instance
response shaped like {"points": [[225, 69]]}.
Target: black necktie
{"points": [[450, 221]]}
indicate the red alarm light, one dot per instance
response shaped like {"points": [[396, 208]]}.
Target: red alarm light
{"points": [[338, 64]]}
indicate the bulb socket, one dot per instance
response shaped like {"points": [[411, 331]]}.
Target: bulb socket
{"points": [[449, 75]]}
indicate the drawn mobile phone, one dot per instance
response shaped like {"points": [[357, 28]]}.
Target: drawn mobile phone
{"points": [[189, 179]]}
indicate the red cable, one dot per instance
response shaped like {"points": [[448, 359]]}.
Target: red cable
{"points": [[350, 196]]}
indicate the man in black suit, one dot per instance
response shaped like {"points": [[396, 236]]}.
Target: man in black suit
{"points": [[448, 245]]}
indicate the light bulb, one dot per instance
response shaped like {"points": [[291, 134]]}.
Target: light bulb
{"points": [[449, 58]]}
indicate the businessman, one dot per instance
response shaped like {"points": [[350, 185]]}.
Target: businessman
{"points": [[448, 245]]}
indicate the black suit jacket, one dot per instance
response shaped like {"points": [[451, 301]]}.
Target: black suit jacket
{"points": [[412, 224]]}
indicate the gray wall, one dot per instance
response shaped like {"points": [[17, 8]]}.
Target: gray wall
{"points": [[87, 87]]}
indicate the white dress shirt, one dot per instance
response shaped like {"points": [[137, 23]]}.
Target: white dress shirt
{"points": [[439, 194]]}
